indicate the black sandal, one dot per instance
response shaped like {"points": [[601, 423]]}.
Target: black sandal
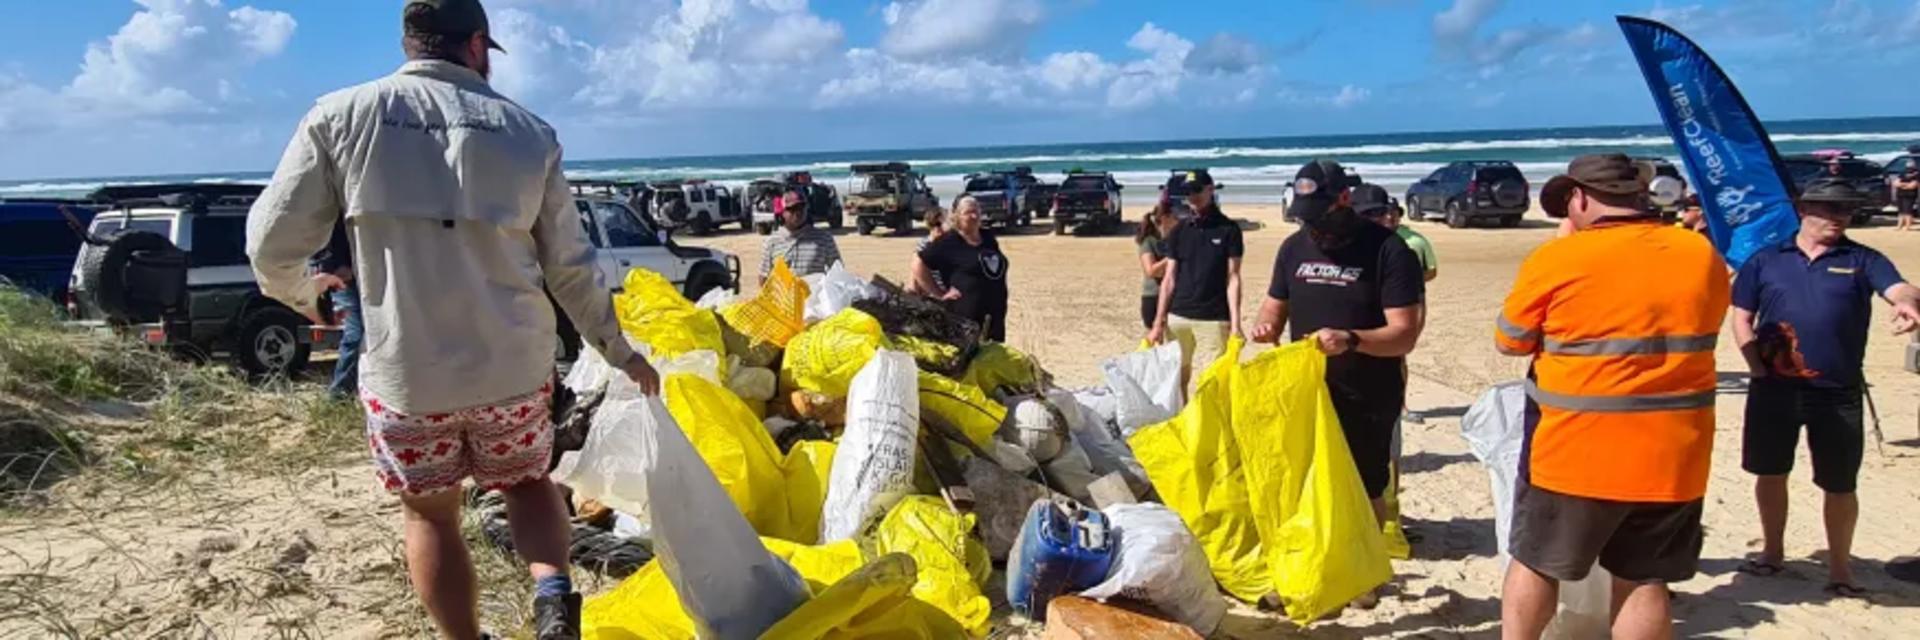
{"points": [[1761, 568], [1844, 590]]}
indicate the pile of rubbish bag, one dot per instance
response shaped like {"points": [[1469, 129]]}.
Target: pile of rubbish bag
{"points": [[880, 460]]}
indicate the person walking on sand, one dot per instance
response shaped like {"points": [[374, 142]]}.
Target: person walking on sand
{"points": [[1355, 290], [1620, 318], [1906, 191], [936, 226], [1152, 240], [459, 214], [1800, 314], [806, 248], [972, 270], [1200, 290]]}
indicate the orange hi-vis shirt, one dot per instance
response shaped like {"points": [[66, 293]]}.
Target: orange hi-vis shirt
{"points": [[1622, 319]]}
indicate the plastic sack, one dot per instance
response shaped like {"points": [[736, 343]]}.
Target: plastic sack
{"points": [[873, 467], [961, 406], [872, 602], [653, 312], [1322, 543], [997, 367], [607, 467], [1495, 430], [753, 383], [777, 313], [826, 356], [835, 291], [952, 563], [1071, 472], [728, 583], [745, 460], [1194, 465], [645, 605], [1107, 453], [1159, 562], [1146, 385], [716, 299], [1038, 429]]}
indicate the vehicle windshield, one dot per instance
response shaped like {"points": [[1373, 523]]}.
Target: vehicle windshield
{"points": [[878, 183], [1084, 183], [1496, 174], [987, 183]]}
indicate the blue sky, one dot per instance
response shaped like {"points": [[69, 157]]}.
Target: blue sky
{"points": [[113, 87]]}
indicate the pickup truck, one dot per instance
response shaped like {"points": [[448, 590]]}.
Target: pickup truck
{"points": [[1086, 200], [999, 197], [889, 194]]}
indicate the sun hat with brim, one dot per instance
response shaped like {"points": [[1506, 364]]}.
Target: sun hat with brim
{"points": [[451, 18], [1833, 191], [1605, 172]]}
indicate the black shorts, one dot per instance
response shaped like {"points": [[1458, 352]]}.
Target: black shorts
{"points": [[1904, 200], [1561, 536], [1835, 439], [1369, 419], [1149, 309]]}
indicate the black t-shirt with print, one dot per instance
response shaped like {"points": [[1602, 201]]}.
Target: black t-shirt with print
{"points": [[1349, 287], [1201, 249], [978, 271]]}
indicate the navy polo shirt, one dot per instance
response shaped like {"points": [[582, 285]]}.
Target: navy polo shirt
{"points": [[1825, 305]]}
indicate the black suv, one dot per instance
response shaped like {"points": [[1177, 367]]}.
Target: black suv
{"points": [[1467, 191], [1866, 175], [1086, 199]]}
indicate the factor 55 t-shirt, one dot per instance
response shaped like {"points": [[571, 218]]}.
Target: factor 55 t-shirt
{"points": [[1349, 287], [1202, 249]]}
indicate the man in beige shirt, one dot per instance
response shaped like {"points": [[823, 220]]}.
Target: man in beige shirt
{"points": [[461, 223]]}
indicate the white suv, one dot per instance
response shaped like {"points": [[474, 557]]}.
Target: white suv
{"points": [[623, 242], [700, 206]]}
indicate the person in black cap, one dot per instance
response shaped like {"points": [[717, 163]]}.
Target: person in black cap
{"points": [[806, 248], [1200, 290], [1355, 290], [1800, 313], [461, 226]]}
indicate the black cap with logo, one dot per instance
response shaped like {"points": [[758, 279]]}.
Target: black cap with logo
{"points": [[1370, 200], [448, 18], [1317, 189], [1186, 182]]}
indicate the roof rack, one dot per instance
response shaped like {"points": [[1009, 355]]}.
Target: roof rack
{"points": [[192, 195], [881, 167]]}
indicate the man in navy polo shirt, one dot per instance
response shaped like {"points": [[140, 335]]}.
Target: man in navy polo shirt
{"points": [[1800, 315]]}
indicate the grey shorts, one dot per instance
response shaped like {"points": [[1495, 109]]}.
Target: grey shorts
{"points": [[1561, 536]]}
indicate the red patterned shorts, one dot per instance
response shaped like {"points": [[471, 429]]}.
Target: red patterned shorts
{"points": [[498, 445]]}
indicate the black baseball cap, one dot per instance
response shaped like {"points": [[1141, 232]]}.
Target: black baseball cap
{"points": [[1189, 181], [1371, 200], [449, 17], [1605, 172], [1320, 177], [1834, 191]]}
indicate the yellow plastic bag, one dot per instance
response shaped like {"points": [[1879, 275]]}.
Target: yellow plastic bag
{"points": [[1322, 544], [825, 357], [1397, 546], [962, 406], [654, 312], [952, 563], [872, 602], [929, 354], [1194, 465], [996, 366], [777, 313], [645, 605], [781, 495]]}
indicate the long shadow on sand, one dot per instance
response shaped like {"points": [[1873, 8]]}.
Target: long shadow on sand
{"points": [[1457, 616], [1456, 539], [1733, 607], [1428, 462]]}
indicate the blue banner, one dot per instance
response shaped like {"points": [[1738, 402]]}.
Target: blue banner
{"points": [[1743, 187]]}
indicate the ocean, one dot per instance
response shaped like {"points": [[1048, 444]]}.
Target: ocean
{"points": [[1250, 169]]}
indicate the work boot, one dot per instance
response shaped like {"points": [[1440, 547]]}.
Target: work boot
{"points": [[557, 617]]}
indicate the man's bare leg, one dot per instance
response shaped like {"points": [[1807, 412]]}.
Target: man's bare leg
{"points": [[1527, 602], [1842, 513], [1643, 612], [538, 520], [437, 562], [1770, 493]]}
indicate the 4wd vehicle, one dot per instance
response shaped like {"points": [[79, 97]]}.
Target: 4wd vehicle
{"points": [[1468, 191], [1086, 199], [999, 197], [171, 268], [623, 241], [888, 195], [1654, 167], [1034, 196], [38, 244], [698, 206], [1866, 175], [761, 197]]}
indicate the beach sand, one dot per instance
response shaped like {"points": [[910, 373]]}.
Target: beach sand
{"points": [[166, 562]]}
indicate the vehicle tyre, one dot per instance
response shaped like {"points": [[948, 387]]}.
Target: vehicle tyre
{"points": [[1060, 227], [103, 275], [267, 343], [864, 226], [1510, 221], [701, 225], [1456, 218], [838, 220], [903, 224], [763, 228], [705, 278], [746, 222], [1026, 219], [1862, 218], [1413, 209]]}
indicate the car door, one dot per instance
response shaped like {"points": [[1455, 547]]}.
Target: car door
{"points": [[603, 258], [632, 245], [1424, 192]]}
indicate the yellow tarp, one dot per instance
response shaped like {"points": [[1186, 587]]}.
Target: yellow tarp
{"points": [[1323, 546], [780, 494], [953, 565], [777, 313], [826, 356], [654, 312], [1194, 465], [997, 365]]}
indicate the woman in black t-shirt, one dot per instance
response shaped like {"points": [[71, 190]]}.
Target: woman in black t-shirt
{"points": [[972, 268]]}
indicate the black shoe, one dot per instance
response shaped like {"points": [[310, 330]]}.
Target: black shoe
{"points": [[557, 617]]}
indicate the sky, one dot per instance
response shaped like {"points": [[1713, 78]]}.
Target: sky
{"points": [[141, 87]]}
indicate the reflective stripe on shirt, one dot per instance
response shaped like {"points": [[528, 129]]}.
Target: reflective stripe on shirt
{"points": [[1653, 345]]}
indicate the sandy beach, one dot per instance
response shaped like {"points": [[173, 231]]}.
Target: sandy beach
{"points": [[210, 557]]}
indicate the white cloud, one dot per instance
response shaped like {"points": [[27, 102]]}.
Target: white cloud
{"points": [[926, 29], [264, 33], [1350, 95], [1224, 53], [1075, 71], [1347, 96]]}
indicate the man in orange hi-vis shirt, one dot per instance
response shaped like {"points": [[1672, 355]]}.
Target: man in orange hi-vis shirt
{"points": [[1620, 318]]}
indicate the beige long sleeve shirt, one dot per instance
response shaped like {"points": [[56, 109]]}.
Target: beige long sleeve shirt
{"points": [[461, 222]]}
